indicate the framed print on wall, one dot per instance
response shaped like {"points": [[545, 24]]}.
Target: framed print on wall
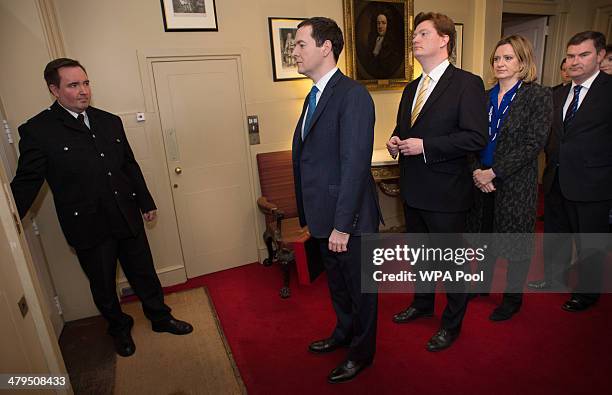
{"points": [[457, 54], [189, 15], [282, 43], [378, 37]]}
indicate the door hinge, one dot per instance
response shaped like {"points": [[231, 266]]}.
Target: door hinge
{"points": [[35, 227], [7, 130], [545, 30], [58, 305], [17, 225]]}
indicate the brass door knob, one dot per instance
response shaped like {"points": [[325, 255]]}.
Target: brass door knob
{"points": [[178, 170]]}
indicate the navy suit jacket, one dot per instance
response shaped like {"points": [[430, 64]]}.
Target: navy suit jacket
{"points": [[452, 123], [334, 187], [581, 150]]}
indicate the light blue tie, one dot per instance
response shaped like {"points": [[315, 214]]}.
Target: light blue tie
{"points": [[312, 104]]}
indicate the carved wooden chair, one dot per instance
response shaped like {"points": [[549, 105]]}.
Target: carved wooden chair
{"points": [[286, 240]]}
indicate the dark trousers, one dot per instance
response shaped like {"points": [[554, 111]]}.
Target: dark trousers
{"points": [[100, 265], [518, 269], [356, 312], [423, 221], [564, 217]]}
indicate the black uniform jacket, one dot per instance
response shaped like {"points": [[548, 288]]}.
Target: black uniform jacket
{"points": [[96, 183]]}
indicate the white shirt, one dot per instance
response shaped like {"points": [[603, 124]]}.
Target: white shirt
{"points": [[321, 84], [586, 85], [435, 74], [75, 114]]}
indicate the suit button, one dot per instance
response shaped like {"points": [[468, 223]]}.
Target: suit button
{"points": [[109, 173], [118, 140], [102, 154], [93, 135], [133, 193], [116, 193], [65, 148], [76, 213]]}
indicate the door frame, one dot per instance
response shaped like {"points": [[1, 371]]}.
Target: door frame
{"points": [[146, 59]]}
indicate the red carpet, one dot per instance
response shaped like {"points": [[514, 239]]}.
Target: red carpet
{"points": [[542, 350]]}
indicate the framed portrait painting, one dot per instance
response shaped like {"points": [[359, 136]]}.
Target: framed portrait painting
{"points": [[457, 54], [378, 42], [189, 15], [282, 43]]}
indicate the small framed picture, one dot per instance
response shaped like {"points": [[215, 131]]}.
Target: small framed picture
{"points": [[456, 56], [189, 15], [282, 43]]}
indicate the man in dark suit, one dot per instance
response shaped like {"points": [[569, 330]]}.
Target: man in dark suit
{"points": [[99, 194], [577, 187], [441, 119], [335, 190], [565, 78]]}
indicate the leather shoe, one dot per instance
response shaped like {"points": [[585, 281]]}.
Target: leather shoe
{"points": [[441, 340], [504, 312], [347, 370], [574, 305], [410, 314], [124, 344], [538, 284], [325, 346], [173, 326]]}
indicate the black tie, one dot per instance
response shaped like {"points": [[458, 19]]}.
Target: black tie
{"points": [[81, 119], [573, 107]]}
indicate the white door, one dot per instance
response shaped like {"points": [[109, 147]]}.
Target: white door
{"points": [[26, 339], [8, 159], [534, 30], [202, 114]]}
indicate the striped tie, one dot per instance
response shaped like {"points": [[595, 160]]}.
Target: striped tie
{"points": [[420, 100]]}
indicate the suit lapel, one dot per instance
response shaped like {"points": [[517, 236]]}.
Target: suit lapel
{"points": [[440, 87], [559, 99], [590, 98], [67, 118], [323, 100], [410, 94], [297, 135]]}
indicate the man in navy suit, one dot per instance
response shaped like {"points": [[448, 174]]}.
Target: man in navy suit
{"points": [[441, 119], [335, 190], [577, 187]]}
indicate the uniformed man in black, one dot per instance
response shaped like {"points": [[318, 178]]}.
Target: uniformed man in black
{"points": [[99, 194]]}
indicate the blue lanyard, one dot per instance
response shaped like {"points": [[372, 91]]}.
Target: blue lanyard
{"points": [[493, 132]]}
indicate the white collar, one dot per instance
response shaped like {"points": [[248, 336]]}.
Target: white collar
{"points": [[325, 79], [436, 73], [587, 84], [74, 114]]}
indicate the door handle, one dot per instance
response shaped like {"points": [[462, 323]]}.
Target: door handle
{"points": [[178, 170]]}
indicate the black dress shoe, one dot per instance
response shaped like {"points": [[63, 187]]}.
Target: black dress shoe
{"points": [[538, 284], [574, 305], [124, 344], [325, 345], [410, 314], [504, 312], [441, 340], [347, 370], [173, 326]]}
